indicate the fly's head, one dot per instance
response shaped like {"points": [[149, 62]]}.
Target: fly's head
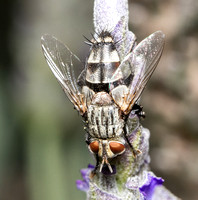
{"points": [[106, 149]]}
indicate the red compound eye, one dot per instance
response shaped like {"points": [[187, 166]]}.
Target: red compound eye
{"points": [[116, 147], [94, 146]]}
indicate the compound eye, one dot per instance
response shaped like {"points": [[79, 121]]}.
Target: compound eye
{"points": [[116, 147], [94, 146]]}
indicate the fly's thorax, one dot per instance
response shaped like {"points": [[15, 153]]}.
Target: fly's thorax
{"points": [[103, 60], [108, 148], [104, 121], [103, 117]]}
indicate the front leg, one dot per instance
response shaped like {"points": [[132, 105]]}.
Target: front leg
{"points": [[134, 151], [93, 172]]}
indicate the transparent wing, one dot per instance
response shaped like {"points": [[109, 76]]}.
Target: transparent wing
{"points": [[60, 61], [142, 61]]}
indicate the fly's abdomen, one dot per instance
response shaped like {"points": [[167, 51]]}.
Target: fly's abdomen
{"points": [[104, 121]]}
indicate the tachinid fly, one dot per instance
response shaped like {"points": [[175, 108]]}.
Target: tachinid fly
{"points": [[108, 88]]}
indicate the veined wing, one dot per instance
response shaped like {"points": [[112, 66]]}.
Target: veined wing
{"points": [[59, 59], [143, 61]]}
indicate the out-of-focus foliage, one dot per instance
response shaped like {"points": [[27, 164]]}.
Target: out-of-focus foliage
{"points": [[41, 137]]}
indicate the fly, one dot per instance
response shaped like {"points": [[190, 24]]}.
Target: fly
{"points": [[108, 88]]}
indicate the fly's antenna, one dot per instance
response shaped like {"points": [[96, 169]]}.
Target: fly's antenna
{"points": [[104, 160], [101, 165], [109, 166]]}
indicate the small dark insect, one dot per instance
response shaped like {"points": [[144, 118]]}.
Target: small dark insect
{"points": [[108, 88]]}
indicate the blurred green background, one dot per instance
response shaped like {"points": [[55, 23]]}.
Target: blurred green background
{"points": [[42, 144]]}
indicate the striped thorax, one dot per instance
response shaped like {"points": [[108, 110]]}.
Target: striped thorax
{"points": [[104, 121]]}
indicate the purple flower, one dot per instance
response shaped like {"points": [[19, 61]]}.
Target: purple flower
{"points": [[107, 14], [148, 188], [84, 184]]}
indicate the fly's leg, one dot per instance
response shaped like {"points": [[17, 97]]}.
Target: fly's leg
{"points": [[93, 173], [135, 152], [97, 163], [138, 109]]}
